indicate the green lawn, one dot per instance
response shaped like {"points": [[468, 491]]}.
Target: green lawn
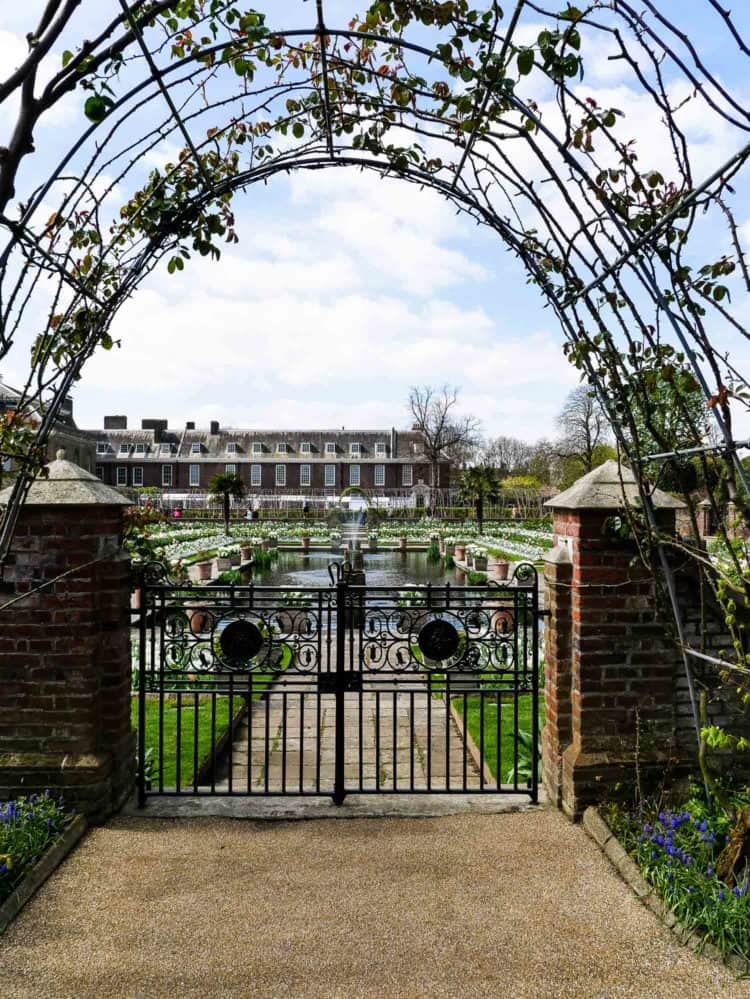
{"points": [[206, 724], [507, 727]]}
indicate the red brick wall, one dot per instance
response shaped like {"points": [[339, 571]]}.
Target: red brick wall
{"points": [[65, 655]]}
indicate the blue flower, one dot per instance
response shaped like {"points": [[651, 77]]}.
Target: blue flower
{"points": [[710, 870], [721, 896]]}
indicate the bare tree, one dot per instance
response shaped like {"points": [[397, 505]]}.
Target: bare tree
{"points": [[583, 426], [444, 433], [509, 455]]}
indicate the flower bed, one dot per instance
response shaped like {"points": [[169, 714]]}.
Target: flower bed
{"points": [[28, 828], [677, 852]]}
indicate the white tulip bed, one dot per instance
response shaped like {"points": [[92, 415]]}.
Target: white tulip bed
{"points": [[187, 543]]}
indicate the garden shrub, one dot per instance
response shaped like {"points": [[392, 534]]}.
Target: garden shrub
{"points": [[27, 827]]}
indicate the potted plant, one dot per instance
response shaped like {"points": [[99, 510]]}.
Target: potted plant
{"points": [[459, 551], [499, 569], [305, 542], [373, 541], [402, 544], [480, 560], [223, 561], [246, 552], [449, 546], [203, 571]]}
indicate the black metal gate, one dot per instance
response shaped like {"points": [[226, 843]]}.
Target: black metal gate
{"points": [[253, 690]]}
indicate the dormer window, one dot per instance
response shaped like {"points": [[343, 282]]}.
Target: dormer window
{"points": [[355, 449], [140, 449], [231, 448], [282, 447], [165, 448], [380, 448], [102, 447], [196, 448], [330, 447], [305, 447], [124, 449], [257, 447]]}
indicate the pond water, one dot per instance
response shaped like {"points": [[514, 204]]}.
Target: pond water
{"points": [[298, 571]]}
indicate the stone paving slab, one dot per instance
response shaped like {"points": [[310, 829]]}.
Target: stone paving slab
{"points": [[520, 905]]}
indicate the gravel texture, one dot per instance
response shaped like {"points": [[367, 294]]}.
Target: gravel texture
{"points": [[518, 905]]}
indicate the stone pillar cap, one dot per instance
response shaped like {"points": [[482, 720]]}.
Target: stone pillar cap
{"points": [[609, 487], [67, 484]]}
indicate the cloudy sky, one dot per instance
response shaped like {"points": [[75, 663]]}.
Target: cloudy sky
{"points": [[344, 290]]}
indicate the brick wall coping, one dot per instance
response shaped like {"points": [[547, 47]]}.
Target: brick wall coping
{"points": [[67, 484], [608, 487]]}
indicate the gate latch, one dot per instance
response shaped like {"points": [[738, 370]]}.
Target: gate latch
{"points": [[330, 683]]}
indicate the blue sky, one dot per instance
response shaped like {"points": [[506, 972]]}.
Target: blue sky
{"points": [[346, 289]]}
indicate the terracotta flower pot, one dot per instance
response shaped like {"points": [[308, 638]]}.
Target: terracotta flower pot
{"points": [[203, 571], [459, 552], [306, 543], [246, 553], [402, 545], [499, 570]]}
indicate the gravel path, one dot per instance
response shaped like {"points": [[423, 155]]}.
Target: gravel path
{"points": [[517, 905]]}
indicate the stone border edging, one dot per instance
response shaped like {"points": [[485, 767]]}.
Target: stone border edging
{"points": [[46, 865], [598, 829], [479, 763]]}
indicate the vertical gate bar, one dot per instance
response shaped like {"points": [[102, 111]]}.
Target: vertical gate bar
{"points": [[466, 747], [319, 736], [411, 740], [213, 740], [178, 751], [429, 731], [283, 742], [515, 713], [447, 731], [250, 711], [535, 691], [196, 699], [481, 738], [319, 637], [377, 739], [498, 739], [301, 736], [267, 736], [395, 736], [361, 732], [142, 693], [230, 762], [160, 616], [339, 791]]}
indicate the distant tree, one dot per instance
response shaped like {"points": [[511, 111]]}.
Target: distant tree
{"points": [[508, 455], [477, 486], [444, 433], [583, 427], [223, 487]]}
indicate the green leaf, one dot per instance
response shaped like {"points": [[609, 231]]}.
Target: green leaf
{"points": [[298, 130], [525, 61], [66, 57], [97, 107]]}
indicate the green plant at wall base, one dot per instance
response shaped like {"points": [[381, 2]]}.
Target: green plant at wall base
{"points": [[28, 826], [476, 578], [433, 552], [487, 705]]}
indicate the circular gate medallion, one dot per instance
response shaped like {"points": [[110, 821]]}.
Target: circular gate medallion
{"points": [[438, 640], [241, 641]]}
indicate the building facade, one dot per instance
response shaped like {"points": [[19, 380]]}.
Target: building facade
{"points": [[269, 462]]}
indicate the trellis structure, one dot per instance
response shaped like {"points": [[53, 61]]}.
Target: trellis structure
{"points": [[482, 104]]}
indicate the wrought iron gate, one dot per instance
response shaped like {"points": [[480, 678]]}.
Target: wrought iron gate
{"points": [[253, 690]]}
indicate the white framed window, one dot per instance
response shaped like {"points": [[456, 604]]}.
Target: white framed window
{"points": [[282, 448], [231, 448], [304, 475], [330, 475], [124, 449], [195, 475], [196, 447], [230, 469], [281, 475], [380, 448], [354, 475], [122, 475], [138, 475], [255, 475], [355, 449], [305, 447], [140, 449], [165, 448], [257, 447], [407, 475], [102, 447], [330, 447], [98, 471], [380, 475], [166, 475]]}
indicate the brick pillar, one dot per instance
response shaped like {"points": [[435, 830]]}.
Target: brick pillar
{"points": [[557, 731], [65, 651], [610, 661]]}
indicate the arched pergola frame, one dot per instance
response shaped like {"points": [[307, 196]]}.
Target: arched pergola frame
{"points": [[432, 94]]}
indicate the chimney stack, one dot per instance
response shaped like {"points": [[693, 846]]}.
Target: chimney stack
{"points": [[214, 427], [190, 425], [115, 423]]}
